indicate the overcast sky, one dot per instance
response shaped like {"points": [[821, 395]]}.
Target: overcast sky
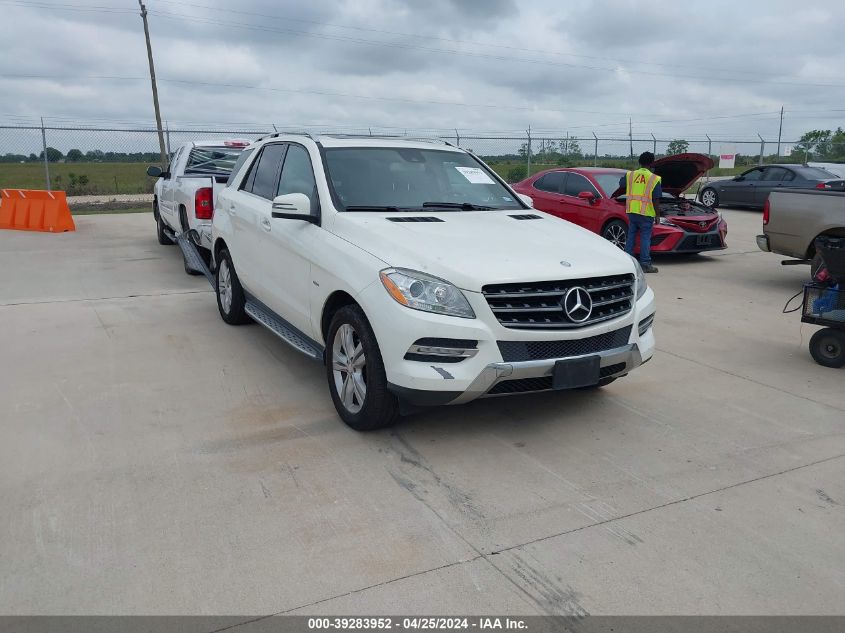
{"points": [[676, 68]]}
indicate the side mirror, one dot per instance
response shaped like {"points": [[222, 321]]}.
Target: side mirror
{"points": [[292, 206], [526, 199], [589, 196], [154, 171]]}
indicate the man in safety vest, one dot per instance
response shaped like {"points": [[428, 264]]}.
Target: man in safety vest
{"points": [[642, 205]]}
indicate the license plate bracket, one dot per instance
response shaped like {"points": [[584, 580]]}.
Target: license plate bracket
{"points": [[576, 372]]}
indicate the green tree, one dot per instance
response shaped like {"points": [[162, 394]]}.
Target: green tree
{"points": [[678, 146], [74, 156], [837, 145], [570, 147], [53, 155], [814, 142], [516, 173]]}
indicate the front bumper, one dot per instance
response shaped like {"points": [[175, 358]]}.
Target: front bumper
{"points": [[763, 243], [487, 372], [615, 362]]}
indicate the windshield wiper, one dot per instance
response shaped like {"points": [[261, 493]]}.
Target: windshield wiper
{"points": [[372, 207], [464, 206]]}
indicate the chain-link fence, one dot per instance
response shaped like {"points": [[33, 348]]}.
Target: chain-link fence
{"points": [[113, 161]]}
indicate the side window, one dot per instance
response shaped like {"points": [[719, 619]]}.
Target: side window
{"points": [[754, 174], [238, 164], [551, 182], [576, 183], [788, 175], [263, 183], [775, 174], [298, 176]]}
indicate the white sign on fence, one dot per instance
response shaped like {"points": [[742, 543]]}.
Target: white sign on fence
{"points": [[727, 156]]}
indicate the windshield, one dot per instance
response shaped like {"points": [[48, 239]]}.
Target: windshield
{"points": [[212, 160], [607, 182], [382, 178]]}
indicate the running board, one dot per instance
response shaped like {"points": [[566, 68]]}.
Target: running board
{"points": [[193, 259], [278, 326]]}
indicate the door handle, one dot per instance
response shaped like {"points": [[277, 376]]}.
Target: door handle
{"points": [[232, 210], [265, 224]]}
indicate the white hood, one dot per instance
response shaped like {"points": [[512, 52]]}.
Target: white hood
{"points": [[474, 248]]}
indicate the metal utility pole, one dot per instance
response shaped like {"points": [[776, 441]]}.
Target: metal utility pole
{"points": [[762, 147], [631, 139], [528, 153], [46, 160], [596, 150], [153, 82], [780, 128]]}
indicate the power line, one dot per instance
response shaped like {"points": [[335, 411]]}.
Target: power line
{"points": [[406, 45], [430, 37], [371, 97], [464, 53]]}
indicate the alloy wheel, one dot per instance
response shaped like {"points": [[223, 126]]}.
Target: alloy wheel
{"points": [[616, 235], [224, 286], [708, 197], [349, 368]]}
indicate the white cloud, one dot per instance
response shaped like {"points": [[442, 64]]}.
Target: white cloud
{"points": [[546, 64]]}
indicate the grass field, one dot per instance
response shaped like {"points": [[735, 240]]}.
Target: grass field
{"points": [[103, 178], [123, 178]]}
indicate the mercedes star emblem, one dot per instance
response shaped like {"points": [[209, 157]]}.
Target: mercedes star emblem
{"points": [[577, 304]]}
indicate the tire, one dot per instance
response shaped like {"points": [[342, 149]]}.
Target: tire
{"points": [[230, 294], [358, 387], [615, 232], [827, 347], [709, 198], [163, 238]]}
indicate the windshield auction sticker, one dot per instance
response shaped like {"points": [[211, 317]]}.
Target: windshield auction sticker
{"points": [[475, 175]]}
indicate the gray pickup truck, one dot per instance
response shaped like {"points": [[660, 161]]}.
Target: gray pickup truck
{"points": [[794, 218]]}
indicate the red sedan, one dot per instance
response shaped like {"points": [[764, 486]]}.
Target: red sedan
{"points": [[584, 196]]}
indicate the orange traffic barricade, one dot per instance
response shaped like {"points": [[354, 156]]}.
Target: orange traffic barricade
{"points": [[32, 210]]}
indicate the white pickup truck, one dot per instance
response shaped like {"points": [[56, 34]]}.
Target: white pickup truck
{"points": [[419, 277], [184, 194]]}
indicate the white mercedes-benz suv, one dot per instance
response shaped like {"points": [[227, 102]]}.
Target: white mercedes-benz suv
{"points": [[419, 277]]}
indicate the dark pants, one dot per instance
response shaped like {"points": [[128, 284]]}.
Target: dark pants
{"points": [[641, 224]]}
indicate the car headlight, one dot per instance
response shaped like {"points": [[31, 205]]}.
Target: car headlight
{"points": [[642, 285], [423, 292]]}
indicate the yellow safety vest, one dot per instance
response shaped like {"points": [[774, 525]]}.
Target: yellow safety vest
{"points": [[639, 187]]}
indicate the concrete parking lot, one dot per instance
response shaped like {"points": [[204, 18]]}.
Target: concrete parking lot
{"points": [[154, 460]]}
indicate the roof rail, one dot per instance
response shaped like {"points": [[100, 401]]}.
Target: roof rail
{"points": [[277, 134], [395, 137]]}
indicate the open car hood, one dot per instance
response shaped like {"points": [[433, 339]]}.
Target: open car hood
{"points": [[680, 171]]}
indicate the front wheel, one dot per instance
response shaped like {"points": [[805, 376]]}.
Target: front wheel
{"points": [[827, 347], [355, 372], [709, 198], [230, 295], [616, 232]]}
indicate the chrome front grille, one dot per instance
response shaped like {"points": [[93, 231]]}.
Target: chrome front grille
{"points": [[539, 305]]}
